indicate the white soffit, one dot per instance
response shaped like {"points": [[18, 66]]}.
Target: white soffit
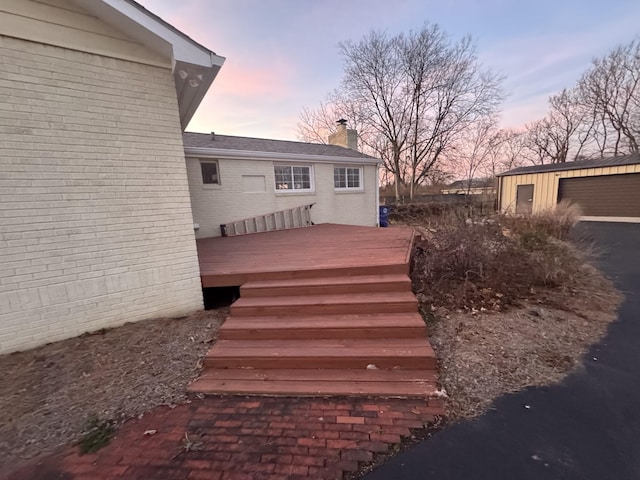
{"points": [[150, 30], [194, 66]]}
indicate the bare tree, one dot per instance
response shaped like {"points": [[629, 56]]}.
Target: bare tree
{"points": [[473, 151], [557, 137], [415, 93], [506, 151], [610, 91]]}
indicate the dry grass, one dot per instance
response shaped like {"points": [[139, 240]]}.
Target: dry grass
{"points": [[486, 355], [555, 222], [48, 394], [509, 301]]}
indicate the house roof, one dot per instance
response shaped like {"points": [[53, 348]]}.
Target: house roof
{"points": [[631, 159], [194, 66], [475, 183], [200, 143]]}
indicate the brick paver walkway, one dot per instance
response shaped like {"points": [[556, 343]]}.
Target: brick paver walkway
{"points": [[246, 438]]}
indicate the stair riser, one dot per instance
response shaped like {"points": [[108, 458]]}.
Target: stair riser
{"points": [[322, 333], [326, 289], [344, 309], [417, 362], [241, 279], [393, 390]]}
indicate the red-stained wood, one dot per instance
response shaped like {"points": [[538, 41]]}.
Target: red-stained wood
{"points": [[376, 302], [324, 310], [321, 250], [385, 388], [328, 285], [328, 353], [376, 325]]}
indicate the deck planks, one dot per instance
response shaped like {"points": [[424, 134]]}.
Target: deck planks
{"points": [[323, 310], [232, 261]]}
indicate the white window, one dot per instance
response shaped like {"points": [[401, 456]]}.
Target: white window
{"points": [[210, 174], [293, 178], [347, 178]]}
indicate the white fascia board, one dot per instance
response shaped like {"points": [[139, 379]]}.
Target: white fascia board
{"points": [[223, 153], [150, 30]]}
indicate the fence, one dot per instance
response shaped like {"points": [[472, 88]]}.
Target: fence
{"points": [[482, 204]]}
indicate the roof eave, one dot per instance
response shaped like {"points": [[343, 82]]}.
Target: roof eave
{"points": [[224, 153], [200, 64]]}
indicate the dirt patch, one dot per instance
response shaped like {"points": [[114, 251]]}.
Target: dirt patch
{"points": [[48, 394], [485, 355]]}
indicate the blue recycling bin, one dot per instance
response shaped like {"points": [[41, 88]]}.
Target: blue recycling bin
{"points": [[384, 215]]}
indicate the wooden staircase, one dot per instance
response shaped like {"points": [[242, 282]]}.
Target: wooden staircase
{"points": [[325, 332]]}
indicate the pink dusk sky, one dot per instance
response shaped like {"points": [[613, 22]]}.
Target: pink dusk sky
{"points": [[281, 55]]}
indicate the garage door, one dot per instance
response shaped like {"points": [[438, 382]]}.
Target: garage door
{"points": [[604, 196]]}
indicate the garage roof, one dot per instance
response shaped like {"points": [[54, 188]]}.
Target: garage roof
{"points": [[631, 159]]}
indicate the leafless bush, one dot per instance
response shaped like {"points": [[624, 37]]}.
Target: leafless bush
{"points": [[555, 222], [495, 262], [426, 213]]}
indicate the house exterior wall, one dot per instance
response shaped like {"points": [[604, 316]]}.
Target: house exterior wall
{"points": [[545, 190], [63, 24], [230, 201], [95, 219]]}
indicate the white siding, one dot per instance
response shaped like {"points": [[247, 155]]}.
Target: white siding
{"points": [[95, 218], [238, 196], [62, 23]]}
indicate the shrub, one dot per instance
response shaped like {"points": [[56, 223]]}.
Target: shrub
{"points": [[421, 213], [487, 264], [555, 222]]}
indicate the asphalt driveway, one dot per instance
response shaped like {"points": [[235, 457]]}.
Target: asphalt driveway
{"points": [[587, 427]]}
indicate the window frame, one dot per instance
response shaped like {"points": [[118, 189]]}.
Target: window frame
{"points": [[293, 191], [203, 161], [346, 168]]}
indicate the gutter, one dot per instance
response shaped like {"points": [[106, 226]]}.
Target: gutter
{"points": [[377, 194], [222, 153]]}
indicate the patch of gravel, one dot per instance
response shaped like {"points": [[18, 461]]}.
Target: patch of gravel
{"points": [[47, 394]]}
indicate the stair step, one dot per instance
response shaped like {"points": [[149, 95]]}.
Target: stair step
{"points": [[392, 383], [335, 353], [328, 285], [373, 325], [385, 302], [312, 269]]}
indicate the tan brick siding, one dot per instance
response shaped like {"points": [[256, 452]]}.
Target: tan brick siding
{"points": [[95, 218], [214, 205]]}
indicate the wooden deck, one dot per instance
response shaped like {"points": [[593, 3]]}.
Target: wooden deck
{"points": [[298, 253], [323, 310]]}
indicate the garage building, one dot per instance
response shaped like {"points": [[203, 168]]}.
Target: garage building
{"points": [[607, 189]]}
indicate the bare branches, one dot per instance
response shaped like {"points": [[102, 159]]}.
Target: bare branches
{"points": [[611, 89], [413, 95]]}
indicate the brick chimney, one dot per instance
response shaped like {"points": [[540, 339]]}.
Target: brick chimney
{"points": [[344, 137]]}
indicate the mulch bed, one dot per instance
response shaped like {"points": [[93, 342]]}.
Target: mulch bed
{"points": [[48, 394]]}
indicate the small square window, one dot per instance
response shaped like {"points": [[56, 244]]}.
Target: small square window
{"points": [[347, 178], [210, 173]]}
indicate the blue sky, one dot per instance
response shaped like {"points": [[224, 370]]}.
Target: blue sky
{"points": [[282, 54]]}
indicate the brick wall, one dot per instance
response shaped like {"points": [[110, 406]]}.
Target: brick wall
{"points": [[95, 218], [216, 204]]}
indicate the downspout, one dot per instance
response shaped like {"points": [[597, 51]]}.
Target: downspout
{"points": [[499, 195], [377, 195]]}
